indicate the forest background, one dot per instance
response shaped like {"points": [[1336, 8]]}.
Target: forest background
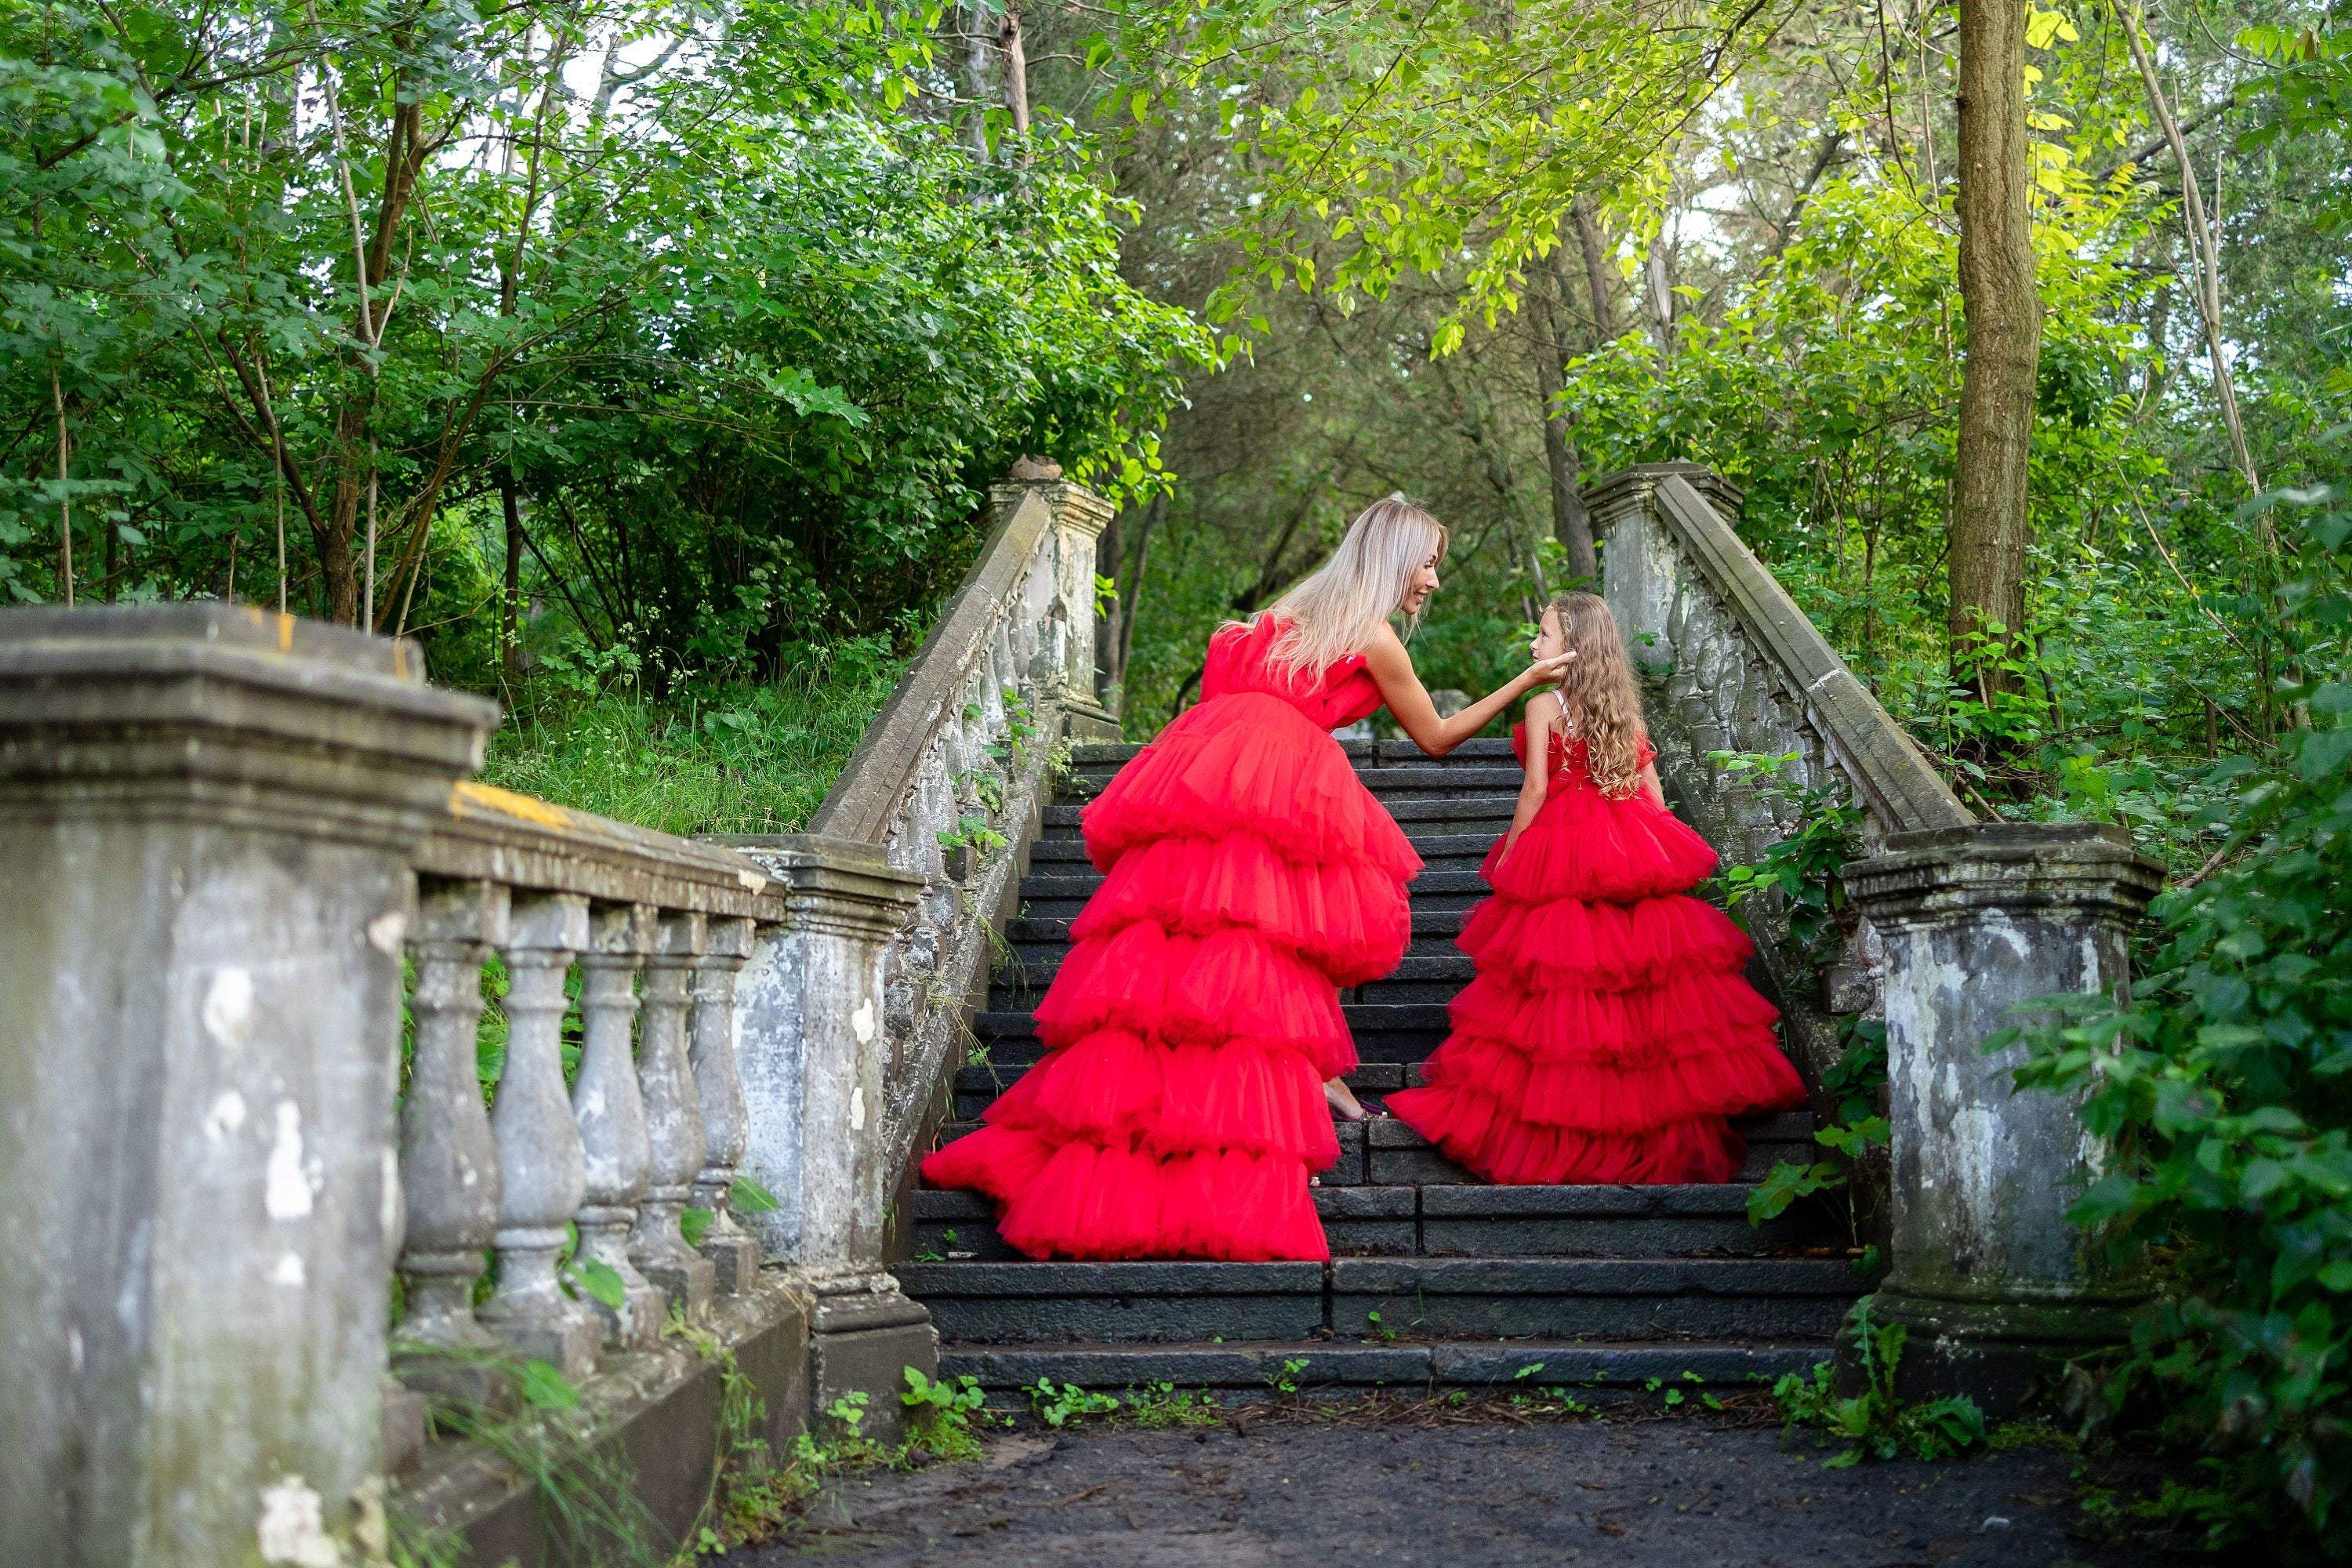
{"points": [[649, 362]]}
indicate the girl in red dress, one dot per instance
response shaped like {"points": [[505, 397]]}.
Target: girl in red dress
{"points": [[1609, 1035], [1194, 1041]]}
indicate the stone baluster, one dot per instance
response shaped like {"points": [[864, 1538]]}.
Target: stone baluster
{"points": [[672, 1118], [207, 816], [616, 1151], [1997, 1288], [448, 1161], [541, 1172], [733, 1251], [1079, 518]]}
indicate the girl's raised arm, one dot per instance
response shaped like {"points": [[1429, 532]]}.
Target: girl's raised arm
{"points": [[1544, 714], [1400, 688]]}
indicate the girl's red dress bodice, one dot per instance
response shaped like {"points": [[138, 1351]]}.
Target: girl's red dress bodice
{"points": [[1178, 1106], [1609, 1033]]}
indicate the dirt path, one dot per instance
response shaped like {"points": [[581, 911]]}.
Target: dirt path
{"points": [[1687, 1493]]}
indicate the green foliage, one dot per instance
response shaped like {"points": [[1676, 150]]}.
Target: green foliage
{"points": [[717, 361], [1061, 1404], [2222, 1091], [1284, 1378], [1802, 867], [1876, 1424], [941, 1413], [1160, 1406]]}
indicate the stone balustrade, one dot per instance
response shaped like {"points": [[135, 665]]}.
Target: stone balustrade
{"points": [[1955, 925], [896, 894]]}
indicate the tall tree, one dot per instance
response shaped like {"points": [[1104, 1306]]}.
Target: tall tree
{"points": [[1992, 527]]}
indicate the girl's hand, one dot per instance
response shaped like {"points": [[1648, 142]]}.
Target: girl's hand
{"points": [[1546, 671]]}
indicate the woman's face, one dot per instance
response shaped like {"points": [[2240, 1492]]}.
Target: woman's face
{"points": [[1419, 585], [1550, 641]]}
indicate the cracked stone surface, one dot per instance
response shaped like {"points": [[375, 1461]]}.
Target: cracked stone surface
{"points": [[1692, 1493]]}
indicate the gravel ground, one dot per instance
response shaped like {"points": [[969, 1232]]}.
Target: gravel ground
{"points": [[1693, 1492]]}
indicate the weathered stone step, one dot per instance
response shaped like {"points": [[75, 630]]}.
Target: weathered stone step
{"points": [[1106, 757], [1431, 977], [1438, 851], [1382, 1032], [1062, 889], [1388, 1153], [1471, 810], [1356, 1298], [1403, 1365], [1469, 1221], [1434, 931]]}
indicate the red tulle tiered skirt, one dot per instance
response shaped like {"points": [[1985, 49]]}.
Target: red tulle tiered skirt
{"points": [[1179, 1108], [1610, 1034]]}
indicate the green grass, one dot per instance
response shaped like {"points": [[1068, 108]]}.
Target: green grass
{"points": [[734, 759]]}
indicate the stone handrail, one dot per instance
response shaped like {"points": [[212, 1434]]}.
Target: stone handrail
{"points": [[1732, 664], [1957, 924], [940, 801]]}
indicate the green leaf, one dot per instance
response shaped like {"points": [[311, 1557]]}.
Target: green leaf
{"points": [[694, 1223], [599, 1280], [544, 1387]]}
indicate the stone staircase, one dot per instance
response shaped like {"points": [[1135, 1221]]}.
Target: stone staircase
{"points": [[1436, 1280]]}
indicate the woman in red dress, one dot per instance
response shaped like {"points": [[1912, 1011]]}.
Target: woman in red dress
{"points": [[1194, 1041], [1610, 1034]]}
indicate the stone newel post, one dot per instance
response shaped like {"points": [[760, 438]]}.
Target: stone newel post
{"points": [[1994, 1283], [206, 816], [1068, 645], [814, 1054]]}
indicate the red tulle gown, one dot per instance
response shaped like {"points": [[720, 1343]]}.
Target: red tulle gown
{"points": [[1248, 875], [1609, 1033]]}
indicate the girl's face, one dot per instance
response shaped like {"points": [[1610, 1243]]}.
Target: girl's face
{"points": [[1420, 586], [1551, 641]]}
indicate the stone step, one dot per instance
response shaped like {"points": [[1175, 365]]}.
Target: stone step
{"points": [[1388, 1153], [1472, 1221], [1358, 1298], [1403, 1365], [1062, 889], [1486, 812], [1105, 757], [1431, 977], [1438, 851], [1382, 1032], [1434, 931]]}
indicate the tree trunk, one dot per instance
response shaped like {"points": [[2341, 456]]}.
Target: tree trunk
{"points": [[1570, 525], [1599, 282], [975, 75], [1992, 529], [1016, 68], [511, 596]]}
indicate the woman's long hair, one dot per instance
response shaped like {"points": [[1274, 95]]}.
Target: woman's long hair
{"points": [[1598, 693], [1334, 610]]}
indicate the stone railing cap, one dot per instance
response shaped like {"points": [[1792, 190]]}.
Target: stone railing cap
{"points": [[849, 872], [531, 845], [867, 793], [1992, 864]]}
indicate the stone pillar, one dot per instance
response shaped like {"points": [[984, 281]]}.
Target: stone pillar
{"points": [[1079, 518], [673, 1118], [206, 816], [1996, 1286], [542, 1174], [448, 1164], [616, 1153], [733, 1251], [814, 1057]]}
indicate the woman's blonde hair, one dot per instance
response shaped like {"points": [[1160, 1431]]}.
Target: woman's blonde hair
{"points": [[1334, 610], [1598, 694]]}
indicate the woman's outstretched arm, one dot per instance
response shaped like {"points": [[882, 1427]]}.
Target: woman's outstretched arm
{"points": [[1391, 668]]}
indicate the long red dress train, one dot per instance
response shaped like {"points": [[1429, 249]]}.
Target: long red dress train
{"points": [[1609, 1033], [1248, 875]]}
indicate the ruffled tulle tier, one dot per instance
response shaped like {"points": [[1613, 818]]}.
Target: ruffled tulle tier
{"points": [[1232, 987], [1569, 1023], [1584, 846], [1248, 762], [1567, 941], [1086, 1200], [1351, 921], [1479, 1131], [1724, 1073], [1178, 1107]]}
